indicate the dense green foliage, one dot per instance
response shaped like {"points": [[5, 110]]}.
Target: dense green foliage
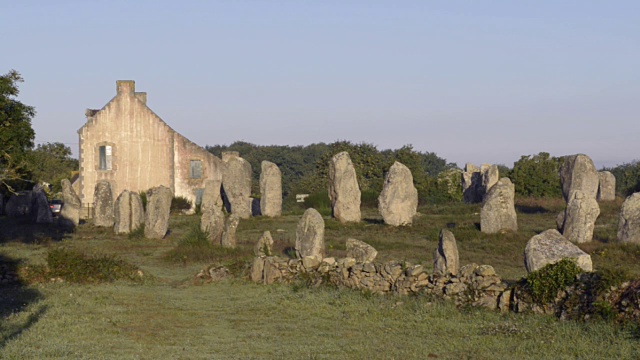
{"points": [[627, 177], [545, 283], [51, 162], [76, 267], [16, 134], [537, 176]]}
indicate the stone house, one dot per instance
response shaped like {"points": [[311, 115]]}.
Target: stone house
{"points": [[126, 143]]}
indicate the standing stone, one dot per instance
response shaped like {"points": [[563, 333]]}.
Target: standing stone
{"points": [[211, 195], [236, 184], [129, 212], [471, 178], [607, 186], [361, 251], [344, 191], [264, 245], [103, 204], [580, 217], [1, 204], [445, 258], [629, 220], [398, 201], [578, 173], [156, 219], [41, 208], [490, 177], [212, 223], [229, 236], [270, 190], [70, 212], [19, 204], [310, 235], [549, 247], [499, 212]]}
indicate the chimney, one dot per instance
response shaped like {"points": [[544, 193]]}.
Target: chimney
{"points": [[142, 96], [125, 87]]}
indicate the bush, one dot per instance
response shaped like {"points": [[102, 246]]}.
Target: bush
{"points": [[369, 199], [75, 267], [180, 203], [319, 201], [544, 284], [537, 176]]}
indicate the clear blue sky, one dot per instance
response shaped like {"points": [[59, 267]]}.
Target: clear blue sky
{"points": [[473, 81]]}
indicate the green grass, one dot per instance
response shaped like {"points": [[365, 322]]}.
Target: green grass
{"points": [[174, 317]]}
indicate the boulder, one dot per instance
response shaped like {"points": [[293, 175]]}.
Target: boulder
{"points": [[156, 219], [229, 239], [490, 177], [580, 217], [310, 235], [129, 212], [211, 195], [398, 201], [549, 247], [270, 189], [361, 251], [264, 245], [212, 223], [41, 210], [577, 172], [19, 204], [71, 205], [498, 212], [236, 185], [629, 220], [103, 204], [606, 186], [445, 258], [344, 191]]}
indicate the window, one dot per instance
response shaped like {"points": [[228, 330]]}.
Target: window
{"points": [[105, 157], [196, 169]]}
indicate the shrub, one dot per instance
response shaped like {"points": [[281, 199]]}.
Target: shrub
{"points": [[369, 199], [179, 203], [319, 201], [545, 283], [76, 267], [537, 176]]}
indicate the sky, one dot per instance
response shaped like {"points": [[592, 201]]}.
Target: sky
{"points": [[472, 81]]}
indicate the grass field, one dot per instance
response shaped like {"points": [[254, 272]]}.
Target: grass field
{"points": [[166, 314]]}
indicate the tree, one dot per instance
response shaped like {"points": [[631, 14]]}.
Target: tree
{"points": [[52, 162], [627, 177], [537, 175], [16, 134]]}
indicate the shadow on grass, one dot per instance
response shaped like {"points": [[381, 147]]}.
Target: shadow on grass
{"points": [[24, 230], [374, 221], [15, 297]]}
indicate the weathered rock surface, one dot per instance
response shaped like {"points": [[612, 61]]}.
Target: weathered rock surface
{"points": [[490, 177], [580, 217], [445, 258], [156, 219], [229, 239], [344, 191], [211, 195], [236, 184], [498, 212], [270, 189], [103, 204], [310, 235], [398, 201], [471, 178], [70, 211], [606, 186], [264, 245], [629, 220], [212, 223], [578, 173], [41, 208], [129, 212], [549, 247], [361, 251]]}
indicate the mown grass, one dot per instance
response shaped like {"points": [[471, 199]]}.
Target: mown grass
{"points": [[174, 317]]}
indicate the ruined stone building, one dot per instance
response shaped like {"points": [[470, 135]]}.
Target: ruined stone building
{"points": [[126, 143]]}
